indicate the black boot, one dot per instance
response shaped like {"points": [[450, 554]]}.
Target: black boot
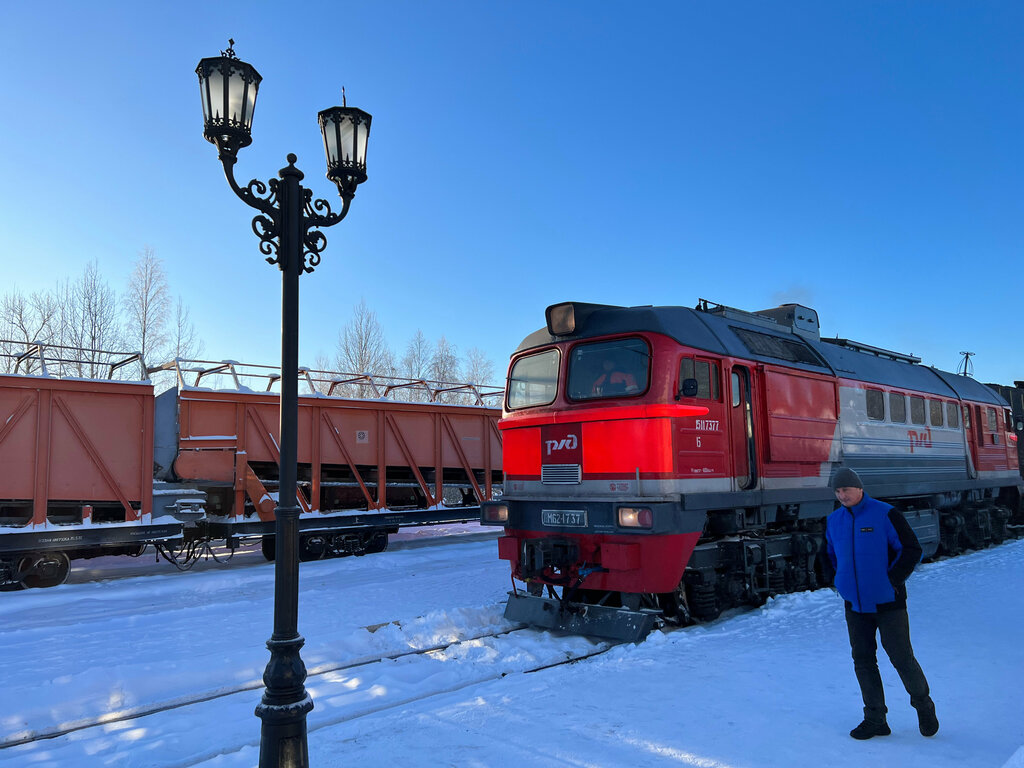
{"points": [[926, 720], [870, 728]]}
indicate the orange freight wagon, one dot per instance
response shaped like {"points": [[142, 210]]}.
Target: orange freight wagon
{"points": [[76, 479], [90, 466], [366, 466]]}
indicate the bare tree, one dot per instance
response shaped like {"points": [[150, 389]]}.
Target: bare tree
{"points": [[322, 363], [28, 318], [444, 366], [148, 307], [184, 341], [23, 320], [479, 368], [416, 365], [362, 348], [91, 317]]}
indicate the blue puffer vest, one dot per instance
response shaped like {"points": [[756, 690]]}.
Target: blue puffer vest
{"points": [[870, 558]]}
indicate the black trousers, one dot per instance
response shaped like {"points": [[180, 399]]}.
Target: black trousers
{"points": [[894, 628]]}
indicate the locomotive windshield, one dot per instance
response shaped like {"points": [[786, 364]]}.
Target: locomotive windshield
{"points": [[602, 369], [533, 380]]}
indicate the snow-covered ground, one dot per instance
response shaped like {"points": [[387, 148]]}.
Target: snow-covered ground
{"points": [[772, 686]]}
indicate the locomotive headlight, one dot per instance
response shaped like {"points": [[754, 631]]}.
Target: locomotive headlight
{"points": [[636, 517], [493, 513]]}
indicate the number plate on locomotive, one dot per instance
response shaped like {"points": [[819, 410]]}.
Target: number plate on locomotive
{"points": [[564, 518]]}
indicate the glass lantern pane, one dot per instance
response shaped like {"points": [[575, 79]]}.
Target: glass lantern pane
{"points": [[348, 140], [236, 87], [216, 87], [202, 98], [361, 136], [330, 140], [250, 104]]}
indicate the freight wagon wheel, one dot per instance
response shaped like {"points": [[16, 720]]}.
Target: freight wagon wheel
{"points": [[49, 570], [311, 548], [269, 550], [378, 543]]}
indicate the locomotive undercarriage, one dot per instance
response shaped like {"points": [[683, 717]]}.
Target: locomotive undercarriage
{"points": [[733, 566]]}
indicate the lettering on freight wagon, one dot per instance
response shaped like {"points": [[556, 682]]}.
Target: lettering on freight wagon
{"points": [[920, 439]]}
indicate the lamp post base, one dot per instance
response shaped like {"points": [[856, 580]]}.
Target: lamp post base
{"points": [[284, 707], [283, 741]]}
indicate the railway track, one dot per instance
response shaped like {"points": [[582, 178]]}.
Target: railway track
{"points": [[501, 645]]}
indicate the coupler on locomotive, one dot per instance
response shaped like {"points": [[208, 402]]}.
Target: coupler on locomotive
{"points": [[555, 563]]}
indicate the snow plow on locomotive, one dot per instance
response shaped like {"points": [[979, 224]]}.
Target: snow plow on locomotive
{"points": [[666, 463], [96, 466]]}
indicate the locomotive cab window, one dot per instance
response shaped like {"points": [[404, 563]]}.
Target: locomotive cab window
{"points": [[604, 369], [706, 375], [876, 405], [533, 380]]}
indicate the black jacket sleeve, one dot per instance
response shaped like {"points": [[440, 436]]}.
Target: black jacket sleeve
{"points": [[911, 554]]}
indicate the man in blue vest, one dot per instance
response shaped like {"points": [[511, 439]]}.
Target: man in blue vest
{"points": [[873, 550]]}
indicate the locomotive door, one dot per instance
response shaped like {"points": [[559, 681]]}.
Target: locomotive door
{"points": [[741, 429], [972, 443]]}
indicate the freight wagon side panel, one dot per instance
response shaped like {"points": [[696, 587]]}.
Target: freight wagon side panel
{"points": [[225, 433], [78, 442]]}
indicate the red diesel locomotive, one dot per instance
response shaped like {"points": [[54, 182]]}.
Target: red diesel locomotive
{"points": [[667, 463]]}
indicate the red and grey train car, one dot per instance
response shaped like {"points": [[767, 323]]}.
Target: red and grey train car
{"points": [[92, 466], [671, 462]]}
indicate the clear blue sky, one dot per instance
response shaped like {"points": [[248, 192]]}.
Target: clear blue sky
{"points": [[864, 158]]}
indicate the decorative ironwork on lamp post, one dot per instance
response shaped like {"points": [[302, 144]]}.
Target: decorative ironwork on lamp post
{"points": [[288, 225]]}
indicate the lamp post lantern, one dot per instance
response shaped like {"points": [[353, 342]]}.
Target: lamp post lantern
{"points": [[288, 225]]}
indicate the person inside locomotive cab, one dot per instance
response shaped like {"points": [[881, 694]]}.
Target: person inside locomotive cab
{"points": [[613, 380]]}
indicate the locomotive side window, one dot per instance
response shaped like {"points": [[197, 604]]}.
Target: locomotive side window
{"points": [[706, 375], [952, 415], [898, 407], [916, 410], [876, 405], [735, 389], [935, 412], [533, 380], [993, 424], [602, 369]]}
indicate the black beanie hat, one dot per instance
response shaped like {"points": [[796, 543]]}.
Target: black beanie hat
{"points": [[846, 478]]}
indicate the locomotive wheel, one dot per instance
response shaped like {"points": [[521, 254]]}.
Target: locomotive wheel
{"points": [[268, 545], [49, 570]]}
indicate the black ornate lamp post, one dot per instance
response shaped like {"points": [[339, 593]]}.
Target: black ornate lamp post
{"points": [[288, 227]]}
